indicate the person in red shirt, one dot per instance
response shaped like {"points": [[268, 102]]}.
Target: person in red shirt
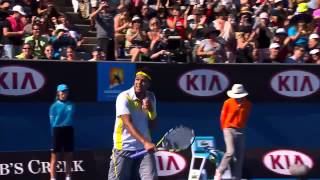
{"points": [[178, 22], [234, 115]]}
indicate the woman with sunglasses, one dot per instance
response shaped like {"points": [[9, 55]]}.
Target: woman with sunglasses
{"points": [[26, 52]]}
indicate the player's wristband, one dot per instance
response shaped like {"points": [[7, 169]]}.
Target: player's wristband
{"points": [[151, 115]]}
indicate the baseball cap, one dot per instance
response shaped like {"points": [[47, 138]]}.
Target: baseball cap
{"points": [[274, 45], [281, 31], [19, 9], [314, 36], [136, 18], [61, 27], [62, 87], [97, 48], [302, 7], [276, 1], [264, 15], [314, 51], [316, 13]]}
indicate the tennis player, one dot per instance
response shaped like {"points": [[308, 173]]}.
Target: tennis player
{"points": [[61, 120], [135, 114], [234, 115]]}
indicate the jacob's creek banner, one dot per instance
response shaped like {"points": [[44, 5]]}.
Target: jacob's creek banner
{"points": [[36, 81], [259, 163]]}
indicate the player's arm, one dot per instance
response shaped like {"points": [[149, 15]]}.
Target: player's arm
{"points": [[123, 112], [127, 122]]}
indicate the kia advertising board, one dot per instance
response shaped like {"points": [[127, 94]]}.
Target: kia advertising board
{"points": [[34, 81], [264, 82], [114, 78], [203, 82], [20, 80], [280, 161], [295, 83]]}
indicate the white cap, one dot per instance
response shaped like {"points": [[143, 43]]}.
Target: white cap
{"points": [[314, 51], [190, 17], [274, 45], [135, 18], [264, 15], [314, 36], [19, 9], [281, 31], [61, 27], [276, 1]]}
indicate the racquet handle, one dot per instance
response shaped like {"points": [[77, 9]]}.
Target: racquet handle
{"points": [[138, 154]]}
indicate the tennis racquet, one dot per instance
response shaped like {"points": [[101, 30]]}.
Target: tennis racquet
{"points": [[176, 139]]}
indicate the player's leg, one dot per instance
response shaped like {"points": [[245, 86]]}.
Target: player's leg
{"points": [[53, 165], [147, 167], [120, 166]]}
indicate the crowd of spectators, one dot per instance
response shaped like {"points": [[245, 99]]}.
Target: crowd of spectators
{"points": [[191, 31]]}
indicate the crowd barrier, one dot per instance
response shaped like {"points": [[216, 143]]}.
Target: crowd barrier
{"points": [[282, 129]]}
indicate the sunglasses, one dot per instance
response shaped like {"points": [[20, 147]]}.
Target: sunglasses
{"points": [[26, 48]]}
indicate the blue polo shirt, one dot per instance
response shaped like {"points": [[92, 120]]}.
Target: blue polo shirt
{"points": [[61, 114]]}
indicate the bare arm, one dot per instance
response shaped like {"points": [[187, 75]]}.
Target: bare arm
{"points": [[7, 33]]}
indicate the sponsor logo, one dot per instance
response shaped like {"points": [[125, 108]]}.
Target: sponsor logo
{"points": [[38, 167], [295, 83], [279, 161], [203, 82], [19, 80], [116, 77], [169, 163]]}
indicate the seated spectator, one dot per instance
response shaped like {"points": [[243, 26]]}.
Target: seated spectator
{"points": [[298, 33], [210, 50], [176, 22], [262, 34], [245, 47], [298, 55], [157, 47], [70, 54], [136, 40], [273, 56], [37, 41], [62, 39], [47, 10], [313, 42], [146, 15], [49, 53], [26, 52], [13, 32], [315, 56], [281, 38], [97, 54]]}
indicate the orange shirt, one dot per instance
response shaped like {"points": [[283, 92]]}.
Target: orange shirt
{"points": [[234, 115]]}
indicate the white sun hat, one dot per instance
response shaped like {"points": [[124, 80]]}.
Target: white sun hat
{"points": [[61, 27], [19, 9], [237, 91]]}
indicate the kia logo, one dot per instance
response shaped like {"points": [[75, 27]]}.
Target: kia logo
{"points": [[279, 161], [203, 82], [169, 163], [19, 80], [295, 83]]}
